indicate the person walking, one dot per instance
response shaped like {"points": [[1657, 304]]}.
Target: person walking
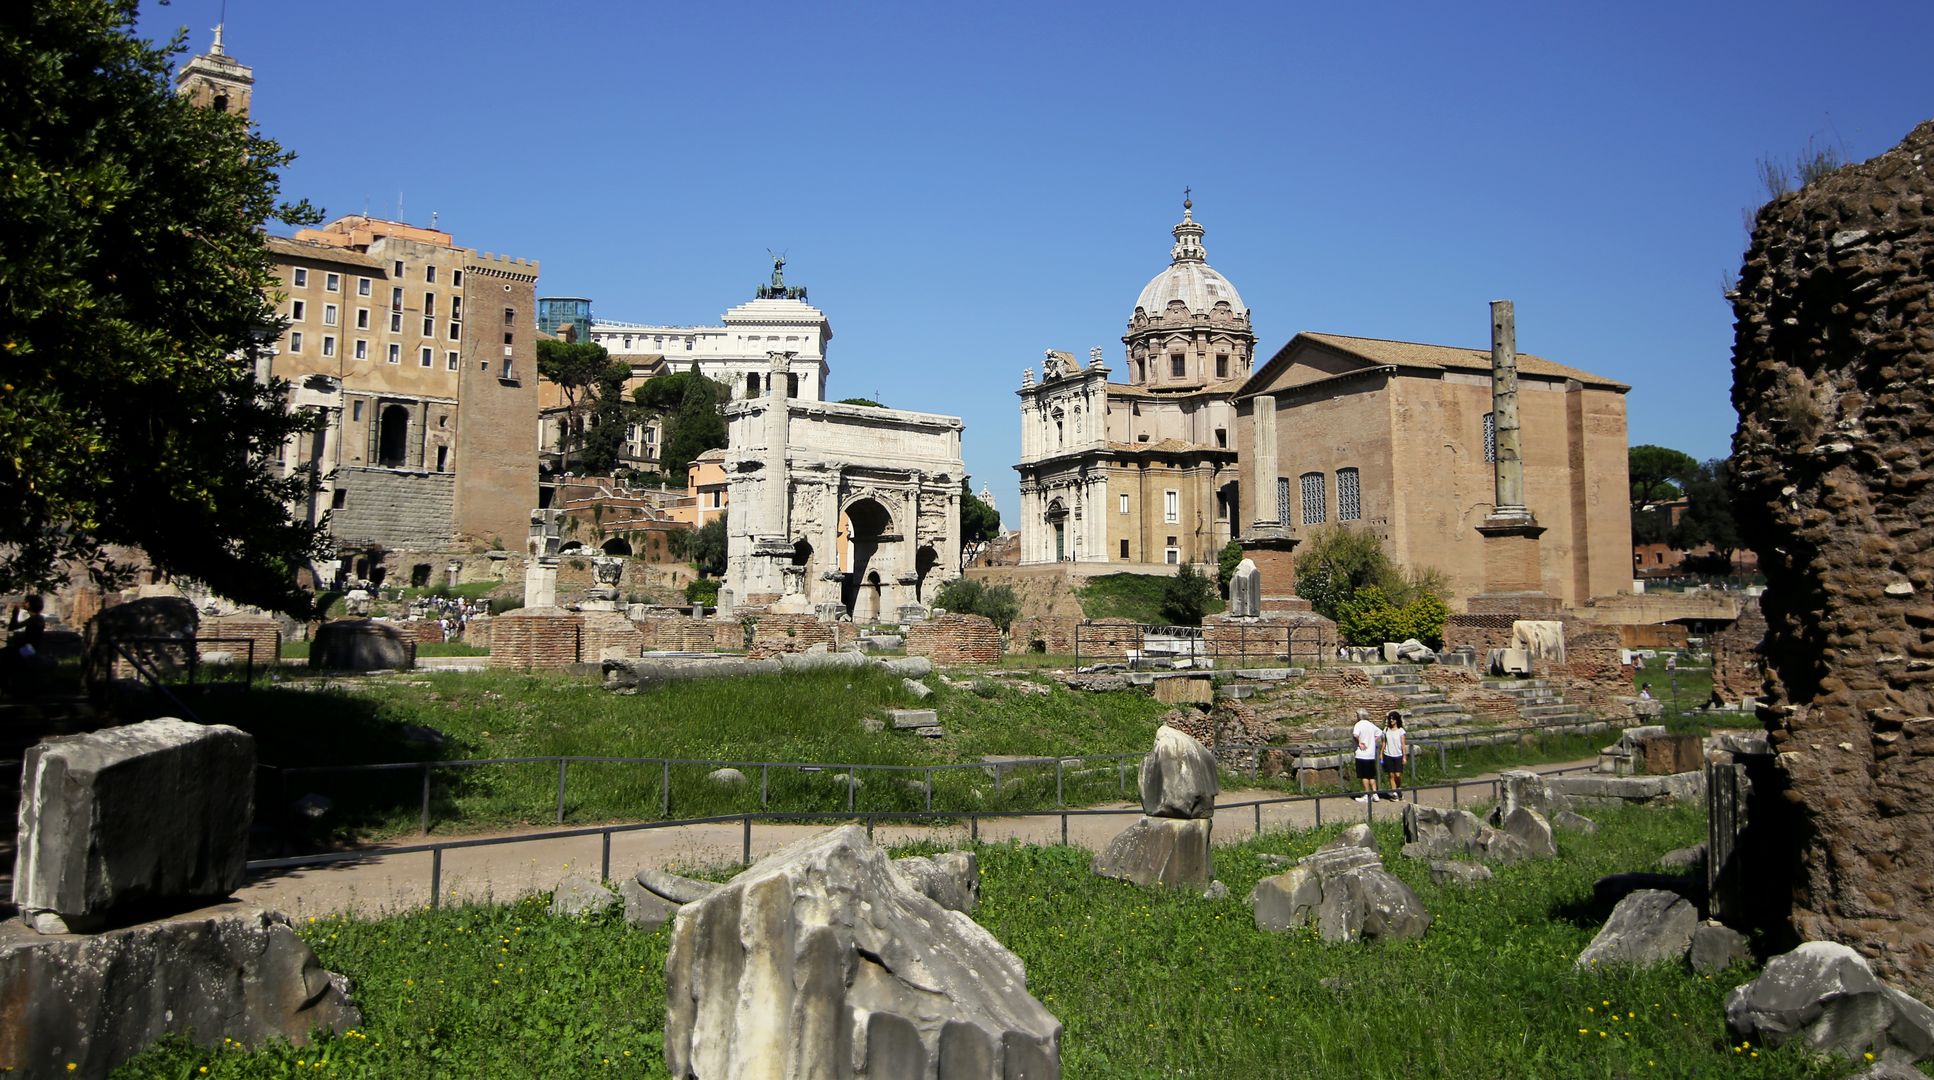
{"points": [[1395, 743], [1365, 734]]}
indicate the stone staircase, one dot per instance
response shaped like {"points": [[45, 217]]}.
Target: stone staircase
{"points": [[1431, 717]]}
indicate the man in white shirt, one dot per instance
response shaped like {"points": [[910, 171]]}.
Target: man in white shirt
{"points": [[1366, 733]]}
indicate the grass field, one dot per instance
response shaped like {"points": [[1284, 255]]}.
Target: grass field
{"points": [[299, 650], [1147, 983], [1128, 596]]}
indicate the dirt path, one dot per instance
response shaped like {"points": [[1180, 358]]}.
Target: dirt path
{"points": [[382, 882]]}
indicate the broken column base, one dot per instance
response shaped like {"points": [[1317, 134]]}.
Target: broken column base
{"points": [[1160, 851], [81, 1004]]}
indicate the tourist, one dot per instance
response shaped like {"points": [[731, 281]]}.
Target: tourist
{"points": [[1366, 734], [1645, 691], [1394, 740], [24, 634]]}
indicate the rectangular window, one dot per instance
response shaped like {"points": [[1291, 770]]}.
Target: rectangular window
{"points": [[362, 318], [510, 316], [1282, 499], [1490, 438], [395, 322], [429, 327], [295, 341], [509, 374], [1177, 366], [429, 303], [456, 308], [450, 358], [456, 277], [396, 298], [328, 345], [456, 331], [1221, 365], [429, 274], [425, 357], [1171, 506], [298, 310], [362, 349], [332, 282], [1349, 495], [339, 498], [300, 279], [1124, 549], [362, 286], [1315, 507], [1124, 504], [328, 314], [1172, 555], [507, 338], [396, 269], [356, 410], [395, 353]]}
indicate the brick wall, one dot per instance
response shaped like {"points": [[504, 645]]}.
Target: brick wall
{"points": [[1737, 673], [1591, 675], [1054, 633], [1481, 631], [421, 631], [960, 639], [476, 631], [778, 632], [1303, 636], [682, 633], [266, 635], [536, 639], [609, 630], [396, 509]]}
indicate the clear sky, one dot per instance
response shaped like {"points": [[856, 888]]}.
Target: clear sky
{"points": [[962, 186]]}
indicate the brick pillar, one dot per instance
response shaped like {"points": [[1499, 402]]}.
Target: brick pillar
{"points": [[1275, 559]]}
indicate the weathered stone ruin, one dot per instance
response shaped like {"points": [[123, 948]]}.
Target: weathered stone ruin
{"points": [[131, 833], [822, 960], [1833, 378], [1343, 890], [1169, 844]]}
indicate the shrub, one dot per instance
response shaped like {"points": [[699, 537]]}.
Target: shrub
{"points": [[703, 591], [1187, 597], [970, 597], [1370, 618]]}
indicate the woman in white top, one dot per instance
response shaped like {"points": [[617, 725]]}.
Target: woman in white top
{"points": [[1365, 735], [1393, 753]]}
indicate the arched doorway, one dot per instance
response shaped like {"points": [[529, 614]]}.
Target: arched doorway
{"points": [[617, 545], [923, 563], [1057, 519], [393, 437], [867, 523]]}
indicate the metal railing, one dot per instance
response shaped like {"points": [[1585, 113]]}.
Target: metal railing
{"points": [[151, 671], [870, 818], [1289, 643]]}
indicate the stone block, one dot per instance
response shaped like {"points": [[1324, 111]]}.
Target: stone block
{"points": [[94, 846], [1716, 947], [821, 960], [361, 645], [580, 894], [1650, 926], [1185, 690], [675, 887], [920, 691], [1826, 996], [1160, 851], [950, 879], [1453, 872], [644, 909], [912, 719], [1178, 777], [80, 1005]]}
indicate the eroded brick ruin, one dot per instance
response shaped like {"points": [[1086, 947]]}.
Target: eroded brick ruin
{"points": [[1834, 458]]}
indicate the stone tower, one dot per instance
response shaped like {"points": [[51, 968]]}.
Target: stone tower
{"points": [[216, 80]]}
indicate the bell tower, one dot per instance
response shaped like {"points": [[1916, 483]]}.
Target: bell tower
{"points": [[216, 80]]}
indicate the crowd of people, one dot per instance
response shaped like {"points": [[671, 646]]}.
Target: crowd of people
{"points": [[452, 613]]}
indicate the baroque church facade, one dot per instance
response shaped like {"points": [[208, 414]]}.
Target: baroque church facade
{"points": [[1142, 473]]}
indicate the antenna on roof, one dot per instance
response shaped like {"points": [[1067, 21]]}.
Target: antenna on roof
{"points": [[433, 219], [399, 206]]}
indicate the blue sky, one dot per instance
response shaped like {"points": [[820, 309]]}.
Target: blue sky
{"points": [[962, 186]]}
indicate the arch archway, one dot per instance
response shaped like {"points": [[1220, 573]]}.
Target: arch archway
{"points": [[617, 545], [867, 524], [1057, 521], [923, 563]]}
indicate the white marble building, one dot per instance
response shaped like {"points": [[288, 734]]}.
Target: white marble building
{"points": [[838, 507]]}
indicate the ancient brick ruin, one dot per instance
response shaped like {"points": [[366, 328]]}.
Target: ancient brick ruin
{"points": [[1737, 673], [1833, 377], [955, 639]]}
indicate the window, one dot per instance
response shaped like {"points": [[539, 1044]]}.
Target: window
{"points": [[1221, 365], [450, 359], [509, 374], [1124, 504], [456, 277], [429, 303], [1315, 509], [339, 498], [510, 316], [429, 327], [356, 409], [396, 298], [1171, 554], [1490, 438], [507, 338], [328, 314], [362, 349], [295, 341], [396, 269], [1349, 495], [395, 322], [1222, 438], [362, 286], [627, 341], [456, 331], [328, 345], [429, 274], [456, 307], [1282, 499], [1124, 549], [426, 356], [298, 310], [300, 278], [395, 353], [332, 282], [1171, 506], [362, 318], [1177, 366]]}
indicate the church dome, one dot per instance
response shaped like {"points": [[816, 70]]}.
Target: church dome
{"points": [[1189, 277]]}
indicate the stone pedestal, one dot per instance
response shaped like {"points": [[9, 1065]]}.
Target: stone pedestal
{"points": [[1273, 554], [1511, 557], [540, 584]]}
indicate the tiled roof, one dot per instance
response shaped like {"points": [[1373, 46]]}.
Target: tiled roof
{"points": [[1445, 357], [304, 249]]}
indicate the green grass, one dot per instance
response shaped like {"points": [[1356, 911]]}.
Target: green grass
{"points": [[1147, 983], [299, 650], [1128, 596]]}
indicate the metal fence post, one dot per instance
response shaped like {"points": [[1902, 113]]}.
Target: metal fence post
{"points": [[929, 789], [426, 798], [604, 856], [852, 785], [973, 827], [561, 764], [1319, 811], [1057, 798], [1064, 829], [745, 858], [665, 789], [763, 771], [1258, 819], [1453, 794], [436, 877]]}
